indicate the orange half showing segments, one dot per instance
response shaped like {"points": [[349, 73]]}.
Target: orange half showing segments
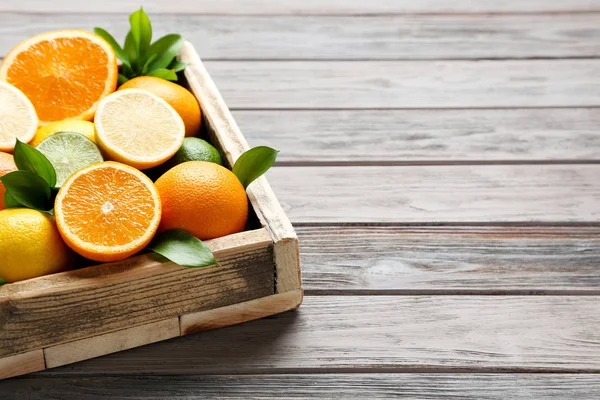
{"points": [[107, 211], [64, 73]]}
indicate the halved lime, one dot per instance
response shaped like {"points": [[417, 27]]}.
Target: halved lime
{"points": [[68, 152]]}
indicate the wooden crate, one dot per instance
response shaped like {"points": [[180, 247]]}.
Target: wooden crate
{"points": [[73, 316]]}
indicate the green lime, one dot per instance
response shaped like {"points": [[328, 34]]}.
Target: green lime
{"points": [[193, 149], [68, 152]]}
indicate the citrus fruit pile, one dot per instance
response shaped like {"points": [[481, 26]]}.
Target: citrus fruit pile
{"points": [[77, 153]]}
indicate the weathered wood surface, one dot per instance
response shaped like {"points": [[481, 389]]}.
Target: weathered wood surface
{"points": [[384, 333], [425, 136], [395, 37], [408, 84], [452, 259], [64, 307], [439, 194], [331, 386], [352, 7]]}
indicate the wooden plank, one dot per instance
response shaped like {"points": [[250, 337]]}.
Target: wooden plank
{"points": [[294, 386], [425, 136], [401, 260], [241, 312], [394, 37], [113, 342], [439, 194], [226, 135], [408, 84], [79, 304], [384, 333], [24, 363], [305, 6]]}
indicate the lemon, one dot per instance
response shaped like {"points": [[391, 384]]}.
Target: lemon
{"points": [[30, 245], [85, 128], [18, 119], [68, 152], [137, 128]]}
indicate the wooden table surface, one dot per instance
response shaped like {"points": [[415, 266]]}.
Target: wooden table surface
{"points": [[440, 160]]}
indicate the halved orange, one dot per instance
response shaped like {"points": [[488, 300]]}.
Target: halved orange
{"points": [[107, 211], [64, 73]]}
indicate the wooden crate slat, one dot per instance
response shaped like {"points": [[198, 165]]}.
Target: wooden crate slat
{"points": [[113, 342], [310, 386], [407, 84], [43, 312], [241, 312], [277, 7], [20, 364], [440, 194], [394, 37], [226, 134], [450, 259], [425, 136], [395, 333]]}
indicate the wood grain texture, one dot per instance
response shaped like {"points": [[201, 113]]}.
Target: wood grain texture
{"points": [[454, 259], [241, 312], [113, 342], [226, 135], [65, 307], [384, 333], [305, 6], [425, 136], [343, 37], [439, 194], [408, 84], [331, 386], [24, 363]]}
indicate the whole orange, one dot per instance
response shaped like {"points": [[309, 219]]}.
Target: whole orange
{"points": [[203, 199], [177, 96], [7, 164]]}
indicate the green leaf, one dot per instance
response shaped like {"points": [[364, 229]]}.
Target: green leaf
{"points": [[183, 249], [122, 79], [131, 50], [178, 66], [10, 202], [28, 158], [141, 30], [166, 49], [113, 43], [147, 64], [253, 163], [2, 281], [28, 189], [167, 74]]}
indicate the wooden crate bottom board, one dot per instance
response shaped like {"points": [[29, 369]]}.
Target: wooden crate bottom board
{"points": [[79, 350]]}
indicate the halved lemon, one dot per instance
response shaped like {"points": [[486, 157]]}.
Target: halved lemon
{"points": [[107, 211], [18, 119], [138, 128]]}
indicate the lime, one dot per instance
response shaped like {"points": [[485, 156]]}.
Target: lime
{"points": [[68, 152], [193, 149], [86, 128]]}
